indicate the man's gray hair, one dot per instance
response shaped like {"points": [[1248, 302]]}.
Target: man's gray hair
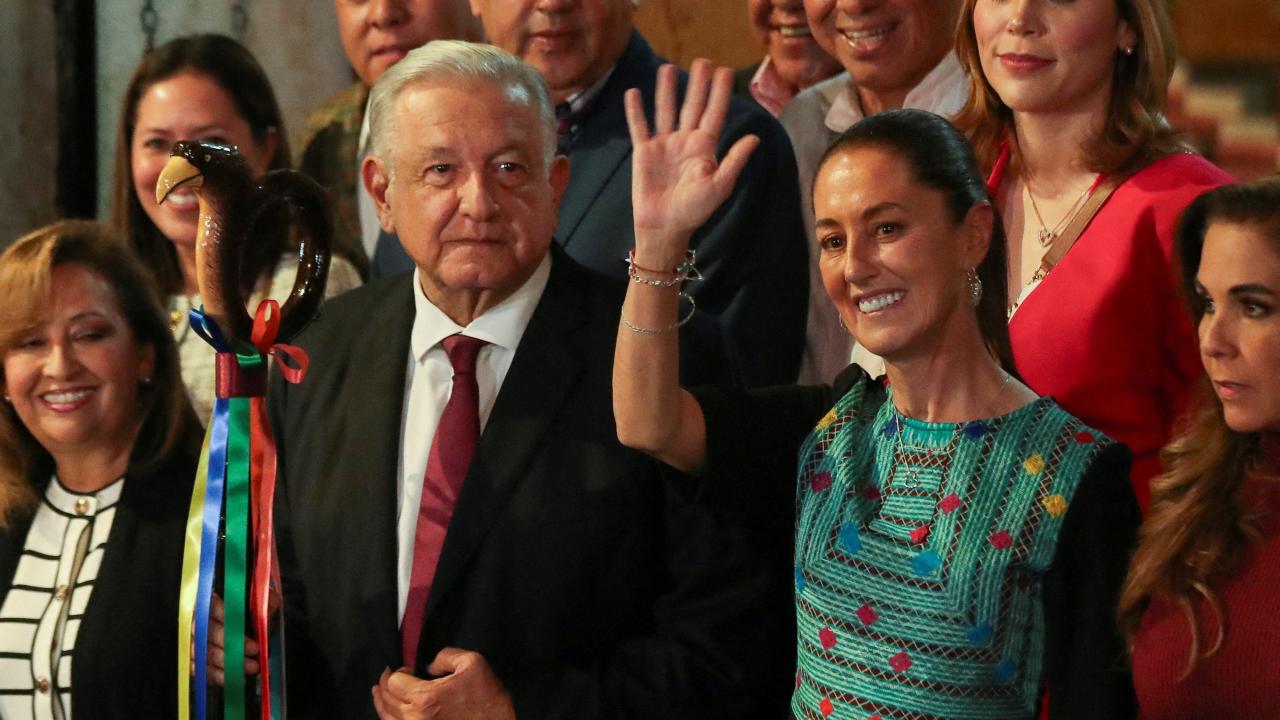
{"points": [[451, 60]]}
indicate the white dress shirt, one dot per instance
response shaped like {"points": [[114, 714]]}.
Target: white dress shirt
{"points": [[429, 381], [813, 120]]}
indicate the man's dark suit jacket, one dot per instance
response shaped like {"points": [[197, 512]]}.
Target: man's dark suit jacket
{"points": [[592, 582], [752, 307]]}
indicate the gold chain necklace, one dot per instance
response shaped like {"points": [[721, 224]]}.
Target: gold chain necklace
{"points": [[1044, 234]]}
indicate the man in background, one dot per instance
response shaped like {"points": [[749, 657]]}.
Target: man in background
{"points": [[793, 59], [748, 323], [375, 35]]}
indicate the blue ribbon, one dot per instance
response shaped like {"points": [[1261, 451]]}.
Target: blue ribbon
{"points": [[209, 548]]}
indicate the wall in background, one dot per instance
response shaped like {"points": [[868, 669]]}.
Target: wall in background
{"points": [[28, 128], [682, 30]]}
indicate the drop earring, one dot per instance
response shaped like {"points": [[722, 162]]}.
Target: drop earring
{"points": [[975, 287]]}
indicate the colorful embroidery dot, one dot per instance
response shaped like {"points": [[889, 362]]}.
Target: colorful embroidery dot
{"points": [[871, 492], [926, 563], [821, 481], [826, 707], [1005, 671], [1055, 505], [850, 539], [890, 427], [827, 419], [1083, 437], [800, 580], [827, 637], [981, 634], [867, 614], [1001, 540], [920, 534], [900, 662], [1034, 464], [949, 504], [975, 429]]}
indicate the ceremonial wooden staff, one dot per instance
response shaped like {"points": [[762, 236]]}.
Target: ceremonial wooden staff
{"points": [[235, 482]]}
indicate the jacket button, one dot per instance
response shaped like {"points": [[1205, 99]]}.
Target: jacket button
{"points": [[61, 593], [82, 506], [42, 684]]}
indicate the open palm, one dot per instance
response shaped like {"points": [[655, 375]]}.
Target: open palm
{"points": [[677, 182]]}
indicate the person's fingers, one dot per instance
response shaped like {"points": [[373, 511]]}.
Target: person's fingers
{"points": [[400, 684], [447, 661], [733, 163], [250, 647], [712, 119], [695, 95], [636, 121], [665, 100]]}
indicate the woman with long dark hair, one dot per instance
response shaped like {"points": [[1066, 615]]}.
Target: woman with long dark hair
{"points": [[1199, 602], [210, 88]]}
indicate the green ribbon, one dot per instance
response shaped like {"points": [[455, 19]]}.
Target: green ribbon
{"points": [[235, 568]]}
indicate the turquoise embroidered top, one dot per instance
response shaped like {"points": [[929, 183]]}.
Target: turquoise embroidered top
{"points": [[919, 556]]}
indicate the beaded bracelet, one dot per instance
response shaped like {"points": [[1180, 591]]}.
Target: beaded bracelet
{"points": [[657, 331], [686, 270]]}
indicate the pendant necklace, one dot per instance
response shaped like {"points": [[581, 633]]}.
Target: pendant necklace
{"points": [[1044, 234]]}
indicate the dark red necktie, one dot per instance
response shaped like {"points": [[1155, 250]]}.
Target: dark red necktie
{"points": [[450, 456]]}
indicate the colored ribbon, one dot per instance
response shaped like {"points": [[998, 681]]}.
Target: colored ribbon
{"points": [[236, 486]]}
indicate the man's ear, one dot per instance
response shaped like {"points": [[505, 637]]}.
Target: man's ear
{"points": [[559, 178], [376, 176]]}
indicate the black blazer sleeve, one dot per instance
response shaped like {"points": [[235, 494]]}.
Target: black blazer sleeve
{"points": [[1086, 666]]}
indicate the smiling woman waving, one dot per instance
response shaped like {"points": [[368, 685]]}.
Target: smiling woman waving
{"points": [[947, 536]]}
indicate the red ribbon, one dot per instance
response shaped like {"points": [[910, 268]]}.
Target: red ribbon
{"points": [[262, 483]]}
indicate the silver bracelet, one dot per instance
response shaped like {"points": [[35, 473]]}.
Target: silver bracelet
{"points": [[657, 331], [686, 270]]}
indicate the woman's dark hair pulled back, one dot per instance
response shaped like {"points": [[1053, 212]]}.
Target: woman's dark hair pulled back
{"points": [[941, 158]]}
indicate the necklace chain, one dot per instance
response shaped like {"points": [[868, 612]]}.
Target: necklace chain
{"points": [[1044, 234], [912, 479]]}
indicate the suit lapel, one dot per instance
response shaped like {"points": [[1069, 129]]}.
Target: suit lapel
{"points": [[545, 369], [605, 144], [375, 403]]}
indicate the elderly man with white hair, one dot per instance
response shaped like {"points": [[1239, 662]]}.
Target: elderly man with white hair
{"points": [[461, 534]]}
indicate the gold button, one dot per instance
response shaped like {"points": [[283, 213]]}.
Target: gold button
{"points": [[42, 684], [61, 594], [82, 506]]}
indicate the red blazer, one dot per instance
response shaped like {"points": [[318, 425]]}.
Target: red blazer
{"points": [[1106, 333]]}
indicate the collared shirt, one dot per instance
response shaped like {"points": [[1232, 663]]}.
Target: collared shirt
{"points": [[570, 112], [769, 89], [369, 226], [813, 120], [429, 381]]}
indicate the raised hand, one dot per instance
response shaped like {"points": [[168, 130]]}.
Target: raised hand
{"points": [[677, 182]]}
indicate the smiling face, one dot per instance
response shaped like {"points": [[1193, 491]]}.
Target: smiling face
{"points": [[571, 42], [1043, 56], [892, 258], [186, 106], [377, 33], [73, 378], [784, 29], [1239, 285], [471, 196], [886, 46]]}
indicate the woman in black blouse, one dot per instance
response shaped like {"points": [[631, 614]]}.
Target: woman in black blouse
{"points": [[98, 448]]}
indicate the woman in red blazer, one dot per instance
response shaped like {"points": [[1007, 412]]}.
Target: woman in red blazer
{"points": [[1067, 106]]}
